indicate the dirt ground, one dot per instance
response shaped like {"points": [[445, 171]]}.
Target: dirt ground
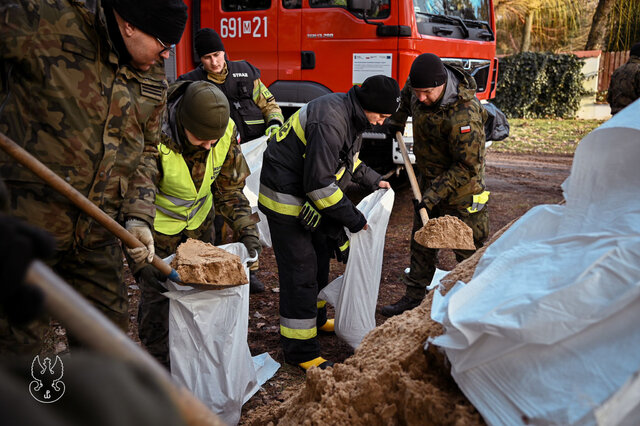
{"points": [[517, 183]]}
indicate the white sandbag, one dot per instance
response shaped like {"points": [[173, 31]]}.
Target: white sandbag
{"points": [[252, 152], [354, 294], [547, 329], [208, 344]]}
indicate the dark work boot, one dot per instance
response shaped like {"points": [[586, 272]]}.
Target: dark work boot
{"points": [[404, 304], [255, 285]]}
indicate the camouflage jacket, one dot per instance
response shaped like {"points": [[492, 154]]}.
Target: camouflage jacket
{"points": [[228, 199], [448, 140], [67, 101], [625, 85]]}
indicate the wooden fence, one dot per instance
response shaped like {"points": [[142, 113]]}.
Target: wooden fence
{"points": [[609, 61]]}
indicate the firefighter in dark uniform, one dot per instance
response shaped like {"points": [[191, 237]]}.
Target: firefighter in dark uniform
{"points": [[306, 165], [200, 165], [253, 107], [449, 145], [625, 82]]}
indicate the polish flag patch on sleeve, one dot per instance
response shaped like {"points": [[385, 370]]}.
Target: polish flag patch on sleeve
{"points": [[465, 129]]}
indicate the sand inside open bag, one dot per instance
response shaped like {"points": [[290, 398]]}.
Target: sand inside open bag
{"points": [[203, 263]]}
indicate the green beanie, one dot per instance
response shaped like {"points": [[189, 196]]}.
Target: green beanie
{"points": [[204, 111]]}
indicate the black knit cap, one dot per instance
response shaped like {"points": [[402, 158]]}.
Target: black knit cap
{"points": [[635, 50], [380, 94], [208, 41], [427, 71], [164, 19]]}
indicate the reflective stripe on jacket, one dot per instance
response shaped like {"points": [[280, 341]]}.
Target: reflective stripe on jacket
{"points": [[303, 158], [179, 204]]}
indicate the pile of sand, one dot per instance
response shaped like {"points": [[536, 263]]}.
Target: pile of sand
{"points": [[446, 232], [199, 262], [389, 380]]}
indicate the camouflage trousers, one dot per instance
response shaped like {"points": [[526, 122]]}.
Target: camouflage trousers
{"points": [[97, 274], [424, 260], [153, 310]]}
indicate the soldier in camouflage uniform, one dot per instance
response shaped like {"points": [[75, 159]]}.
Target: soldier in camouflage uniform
{"points": [[82, 88], [449, 145], [253, 107], [200, 166], [625, 82]]}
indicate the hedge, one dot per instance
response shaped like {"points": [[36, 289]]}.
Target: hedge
{"points": [[540, 85]]}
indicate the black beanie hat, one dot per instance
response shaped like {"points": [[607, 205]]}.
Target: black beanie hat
{"points": [[164, 19], [208, 41], [635, 50], [427, 71], [204, 110], [380, 94]]}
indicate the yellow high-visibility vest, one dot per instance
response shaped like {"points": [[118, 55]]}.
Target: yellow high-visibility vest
{"points": [[178, 204]]}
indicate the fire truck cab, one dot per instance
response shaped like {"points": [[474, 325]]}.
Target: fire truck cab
{"points": [[308, 48]]}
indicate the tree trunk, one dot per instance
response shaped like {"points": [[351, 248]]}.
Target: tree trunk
{"points": [[526, 32], [599, 25]]}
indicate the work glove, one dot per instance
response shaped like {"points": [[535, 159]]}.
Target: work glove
{"points": [[252, 243], [417, 205], [21, 243], [339, 247], [393, 128], [309, 217], [140, 229], [271, 130]]}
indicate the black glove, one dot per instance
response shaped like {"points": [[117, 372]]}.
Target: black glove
{"points": [[339, 247], [21, 243], [309, 217], [417, 205], [393, 128], [252, 243]]}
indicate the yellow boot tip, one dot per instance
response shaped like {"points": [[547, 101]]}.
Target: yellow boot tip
{"points": [[316, 362], [329, 326]]}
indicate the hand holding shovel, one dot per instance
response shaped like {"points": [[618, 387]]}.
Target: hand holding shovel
{"points": [[442, 232]]}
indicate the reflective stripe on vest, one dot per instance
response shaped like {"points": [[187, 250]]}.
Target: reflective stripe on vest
{"points": [[178, 204], [279, 202], [299, 329], [478, 202]]}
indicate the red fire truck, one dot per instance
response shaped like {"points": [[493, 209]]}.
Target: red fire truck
{"points": [[308, 48]]}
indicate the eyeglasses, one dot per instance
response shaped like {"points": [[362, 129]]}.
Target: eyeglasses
{"points": [[165, 48]]}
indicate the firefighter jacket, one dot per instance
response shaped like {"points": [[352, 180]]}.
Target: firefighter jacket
{"points": [[253, 107], [625, 85], [449, 141], [193, 180], [307, 158], [93, 120]]}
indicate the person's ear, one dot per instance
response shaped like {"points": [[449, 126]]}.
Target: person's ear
{"points": [[128, 29]]}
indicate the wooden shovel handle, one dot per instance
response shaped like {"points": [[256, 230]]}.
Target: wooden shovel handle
{"points": [[59, 184], [94, 330], [412, 176]]}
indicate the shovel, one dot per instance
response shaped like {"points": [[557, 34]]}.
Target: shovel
{"points": [[443, 232], [57, 183], [94, 330]]}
